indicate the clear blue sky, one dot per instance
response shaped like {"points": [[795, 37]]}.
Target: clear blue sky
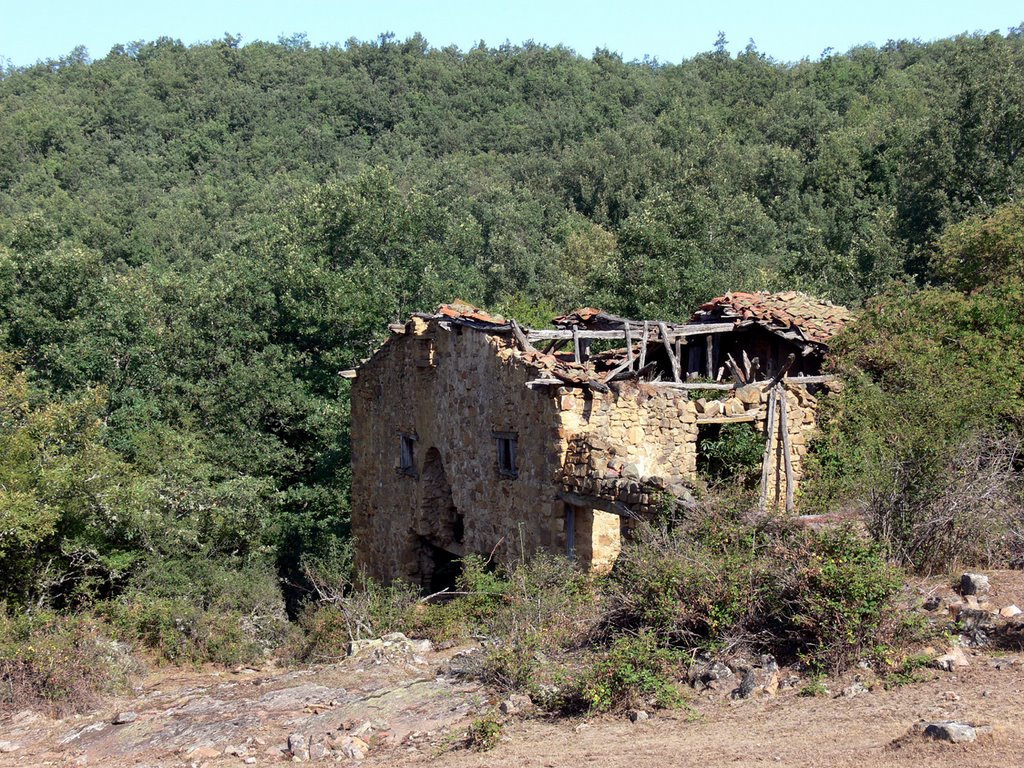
{"points": [[39, 29]]}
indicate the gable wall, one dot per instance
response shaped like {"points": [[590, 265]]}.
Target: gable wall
{"points": [[477, 387]]}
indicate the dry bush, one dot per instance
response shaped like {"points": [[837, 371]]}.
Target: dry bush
{"points": [[969, 512]]}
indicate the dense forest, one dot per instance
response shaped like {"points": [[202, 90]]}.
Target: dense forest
{"points": [[195, 240]]}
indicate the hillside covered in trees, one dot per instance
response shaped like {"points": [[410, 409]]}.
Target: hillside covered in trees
{"points": [[194, 240]]}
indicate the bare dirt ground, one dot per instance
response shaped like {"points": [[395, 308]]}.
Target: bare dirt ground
{"points": [[398, 710]]}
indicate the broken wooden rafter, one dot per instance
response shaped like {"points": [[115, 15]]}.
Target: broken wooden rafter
{"points": [[673, 360], [782, 371], [524, 342], [643, 346]]}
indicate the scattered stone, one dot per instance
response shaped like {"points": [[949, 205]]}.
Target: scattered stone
{"points": [[947, 662], [203, 753], [123, 718], [298, 745], [974, 584], [366, 727], [857, 689], [318, 748], [355, 748], [763, 678], [760, 679], [951, 731], [933, 603], [236, 751], [9, 746], [951, 696], [712, 672], [516, 704], [637, 716], [249, 760], [1010, 611]]}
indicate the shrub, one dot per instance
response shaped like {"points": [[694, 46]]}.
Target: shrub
{"points": [[483, 734], [633, 671], [840, 600], [827, 598], [202, 610], [59, 663], [700, 586]]}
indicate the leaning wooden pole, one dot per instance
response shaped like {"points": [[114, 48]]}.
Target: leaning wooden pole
{"points": [[766, 462], [786, 451]]}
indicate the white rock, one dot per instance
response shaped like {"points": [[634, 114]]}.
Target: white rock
{"points": [[951, 731], [974, 584], [950, 661]]}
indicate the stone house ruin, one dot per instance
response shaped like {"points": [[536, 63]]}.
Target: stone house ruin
{"points": [[472, 434]]}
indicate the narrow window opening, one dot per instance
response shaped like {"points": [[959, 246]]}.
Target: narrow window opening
{"points": [[426, 353], [407, 455], [506, 442]]}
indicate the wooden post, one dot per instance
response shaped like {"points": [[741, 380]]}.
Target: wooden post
{"points": [[629, 343], [576, 344], [709, 342], [643, 348], [767, 460], [784, 426]]}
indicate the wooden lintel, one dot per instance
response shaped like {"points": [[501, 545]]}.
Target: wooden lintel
{"points": [[595, 502], [728, 419]]}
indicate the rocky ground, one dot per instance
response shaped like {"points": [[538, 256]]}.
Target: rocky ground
{"points": [[399, 702]]}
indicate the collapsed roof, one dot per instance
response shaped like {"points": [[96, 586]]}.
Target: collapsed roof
{"points": [[802, 320], [794, 316]]}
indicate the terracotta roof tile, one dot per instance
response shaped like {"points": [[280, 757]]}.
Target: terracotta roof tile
{"points": [[465, 311]]}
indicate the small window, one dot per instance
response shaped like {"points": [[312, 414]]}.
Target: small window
{"points": [[507, 453], [407, 454]]}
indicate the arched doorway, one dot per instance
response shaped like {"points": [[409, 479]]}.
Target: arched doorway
{"points": [[439, 528]]}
